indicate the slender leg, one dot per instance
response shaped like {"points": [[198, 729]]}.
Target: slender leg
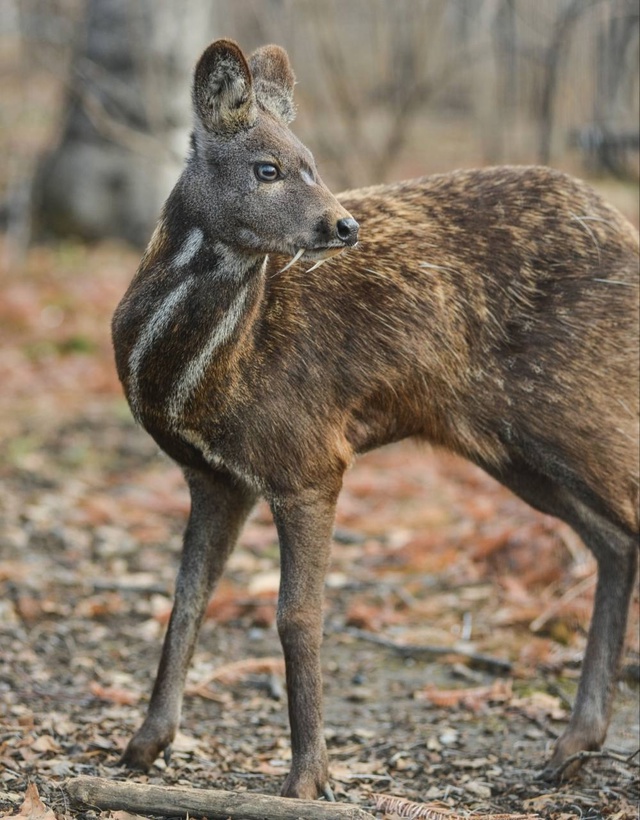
{"points": [[219, 507], [616, 551], [304, 527], [587, 728]]}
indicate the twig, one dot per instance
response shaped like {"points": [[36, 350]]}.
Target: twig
{"points": [[129, 583], [171, 801], [603, 754], [119, 132], [475, 659], [557, 606], [556, 690]]}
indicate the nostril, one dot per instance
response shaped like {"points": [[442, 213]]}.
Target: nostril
{"points": [[347, 230]]}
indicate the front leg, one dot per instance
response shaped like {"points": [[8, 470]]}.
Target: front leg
{"points": [[219, 507], [305, 524]]}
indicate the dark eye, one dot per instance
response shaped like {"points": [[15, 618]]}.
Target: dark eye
{"points": [[266, 171]]}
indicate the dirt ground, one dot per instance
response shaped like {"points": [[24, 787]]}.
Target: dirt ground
{"points": [[429, 552]]}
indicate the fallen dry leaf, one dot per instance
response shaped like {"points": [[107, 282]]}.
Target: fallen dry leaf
{"points": [[500, 691], [436, 811], [113, 694], [45, 743], [539, 705], [33, 808]]}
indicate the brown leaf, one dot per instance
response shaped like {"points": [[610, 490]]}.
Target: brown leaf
{"points": [[474, 699], [364, 616], [33, 808], [540, 705], [113, 695], [224, 606], [45, 743], [402, 807]]}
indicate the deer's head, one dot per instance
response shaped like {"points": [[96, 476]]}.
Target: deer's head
{"points": [[259, 184]]}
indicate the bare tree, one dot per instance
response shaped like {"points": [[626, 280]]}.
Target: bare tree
{"points": [[126, 121], [402, 65], [611, 137], [385, 90]]}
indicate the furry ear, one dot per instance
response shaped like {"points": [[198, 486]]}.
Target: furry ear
{"points": [[223, 96], [273, 80]]}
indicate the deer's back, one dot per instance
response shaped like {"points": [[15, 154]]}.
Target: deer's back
{"points": [[489, 311]]}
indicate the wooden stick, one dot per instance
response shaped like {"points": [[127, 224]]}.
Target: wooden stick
{"points": [[475, 659], [117, 795]]}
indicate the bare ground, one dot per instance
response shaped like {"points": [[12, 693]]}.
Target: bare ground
{"points": [[430, 551]]}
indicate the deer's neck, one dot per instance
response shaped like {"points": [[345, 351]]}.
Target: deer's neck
{"points": [[191, 304]]}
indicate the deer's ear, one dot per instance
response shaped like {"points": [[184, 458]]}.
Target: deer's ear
{"points": [[274, 79], [223, 95]]}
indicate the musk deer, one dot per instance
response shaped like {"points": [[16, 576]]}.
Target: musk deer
{"points": [[493, 312]]}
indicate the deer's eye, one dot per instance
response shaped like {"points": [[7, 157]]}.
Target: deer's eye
{"points": [[267, 171]]}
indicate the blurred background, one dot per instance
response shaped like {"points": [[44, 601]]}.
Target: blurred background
{"points": [[96, 106], [94, 126]]}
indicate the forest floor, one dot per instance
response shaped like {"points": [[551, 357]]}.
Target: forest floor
{"points": [[429, 552]]}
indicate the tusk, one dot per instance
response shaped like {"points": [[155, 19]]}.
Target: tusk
{"points": [[318, 263], [293, 261]]}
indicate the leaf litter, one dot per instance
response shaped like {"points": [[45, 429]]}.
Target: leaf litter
{"points": [[429, 552]]}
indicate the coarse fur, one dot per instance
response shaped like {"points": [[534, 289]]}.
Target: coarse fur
{"points": [[492, 312]]}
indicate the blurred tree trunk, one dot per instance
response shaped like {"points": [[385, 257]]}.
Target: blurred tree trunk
{"points": [[127, 119]]}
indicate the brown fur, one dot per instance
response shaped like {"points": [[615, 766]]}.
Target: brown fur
{"points": [[492, 312]]}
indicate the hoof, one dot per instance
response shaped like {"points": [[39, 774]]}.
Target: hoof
{"points": [[307, 787], [134, 761], [556, 773], [570, 745], [141, 753]]}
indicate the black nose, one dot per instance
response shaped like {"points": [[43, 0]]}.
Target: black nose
{"points": [[347, 230]]}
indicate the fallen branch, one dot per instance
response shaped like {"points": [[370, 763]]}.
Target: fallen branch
{"points": [[171, 801], [475, 659]]}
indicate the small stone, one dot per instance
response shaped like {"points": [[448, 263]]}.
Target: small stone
{"points": [[478, 789], [359, 694], [448, 737]]}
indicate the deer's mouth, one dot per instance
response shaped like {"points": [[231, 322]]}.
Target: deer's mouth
{"points": [[318, 255], [322, 253]]}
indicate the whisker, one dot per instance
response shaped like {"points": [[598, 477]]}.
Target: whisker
{"points": [[615, 282]]}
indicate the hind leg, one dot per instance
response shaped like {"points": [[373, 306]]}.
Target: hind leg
{"points": [[617, 556], [616, 551]]}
